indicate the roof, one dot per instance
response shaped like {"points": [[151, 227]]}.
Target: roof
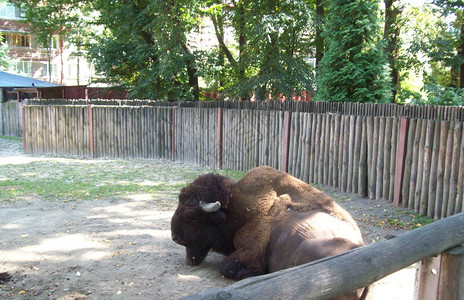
{"points": [[8, 80]]}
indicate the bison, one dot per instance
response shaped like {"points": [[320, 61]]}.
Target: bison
{"points": [[266, 221]]}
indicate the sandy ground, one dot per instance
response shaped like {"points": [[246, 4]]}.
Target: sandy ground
{"points": [[121, 249]]}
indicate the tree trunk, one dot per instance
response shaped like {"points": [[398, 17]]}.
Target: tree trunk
{"points": [[391, 34], [461, 53], [192, 74], [219, 30], [319, 27]]}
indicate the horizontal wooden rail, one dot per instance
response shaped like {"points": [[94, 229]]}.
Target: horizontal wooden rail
{"points": [[354, 269]]}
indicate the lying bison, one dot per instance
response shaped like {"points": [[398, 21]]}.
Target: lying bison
{"points": [[266, 221]]}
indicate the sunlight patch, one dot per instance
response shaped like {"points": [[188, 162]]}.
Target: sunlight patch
{"points": [[12, 226], [140, 197], [152, 232], [188, 277], [69, 242], [59, 249], [94, 255]]}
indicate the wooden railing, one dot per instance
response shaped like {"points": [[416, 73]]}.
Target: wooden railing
{"points": [[360, 267]]}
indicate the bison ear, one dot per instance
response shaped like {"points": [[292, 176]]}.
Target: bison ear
{"points": [[193, 212]]}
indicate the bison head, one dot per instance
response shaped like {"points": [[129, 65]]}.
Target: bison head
{"points": [[199, 222]]}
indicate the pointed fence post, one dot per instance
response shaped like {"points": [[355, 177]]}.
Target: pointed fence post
{"points": [[286, 140], [400, 159], [219, 138], [91, 145], [173, 133]]}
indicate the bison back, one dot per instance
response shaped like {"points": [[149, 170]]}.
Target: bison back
{"points": [[305, 237]]}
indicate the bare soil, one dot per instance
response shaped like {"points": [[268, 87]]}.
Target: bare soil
{"points": [[121, 248]]}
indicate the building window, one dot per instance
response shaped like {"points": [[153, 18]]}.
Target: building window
{"points": [[17, 39], [54, 42], [24, 67], [46, 72], [10, 11]]}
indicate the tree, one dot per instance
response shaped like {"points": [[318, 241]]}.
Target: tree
{"points": [[48, 18], [432, 51], [144, 47], [456, 9], [148, 47], [354, 67], [273, 39]]}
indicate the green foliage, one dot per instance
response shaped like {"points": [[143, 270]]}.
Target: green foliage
{"points": [[434, 42], [273, 41], [50, 17], [354, 67], [144, 47], [150, 47], [5, 61], [277, 44]]}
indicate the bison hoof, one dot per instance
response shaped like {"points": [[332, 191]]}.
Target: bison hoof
{"points": [[230, 269], [235, 270]]}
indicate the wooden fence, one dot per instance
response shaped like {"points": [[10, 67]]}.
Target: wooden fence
{"points": [[10, 119], [417, 163], [434, 112]]}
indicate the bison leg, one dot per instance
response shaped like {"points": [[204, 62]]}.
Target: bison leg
{"points": [[251, 242], [248, 259]]}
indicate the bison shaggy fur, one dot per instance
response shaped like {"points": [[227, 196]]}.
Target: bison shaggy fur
{"points": [[266, 221]]}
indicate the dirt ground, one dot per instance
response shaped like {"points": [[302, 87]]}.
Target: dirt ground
{"points": [[121, 249]]}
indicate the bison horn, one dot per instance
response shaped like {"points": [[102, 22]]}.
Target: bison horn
{"points": [[210, 207]]}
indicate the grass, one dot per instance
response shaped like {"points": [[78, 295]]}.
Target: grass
{"points": [[405, 220], [69, 179], [10, 138]]}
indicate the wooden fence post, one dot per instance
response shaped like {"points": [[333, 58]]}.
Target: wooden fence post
{"points": [[173, 133], [286, 140], [24, 128], [400, 159], [91, 145], [441, 277], [219, 138]]}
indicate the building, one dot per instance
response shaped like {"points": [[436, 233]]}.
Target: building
{"points": [[59, 63]]}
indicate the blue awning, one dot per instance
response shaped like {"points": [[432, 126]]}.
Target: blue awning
{"points": [[8, 80]]}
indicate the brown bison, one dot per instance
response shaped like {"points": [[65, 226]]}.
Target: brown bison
{"points": [[264, 222]]}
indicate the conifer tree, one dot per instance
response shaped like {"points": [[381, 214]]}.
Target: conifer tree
{"points": [[354, 67]]}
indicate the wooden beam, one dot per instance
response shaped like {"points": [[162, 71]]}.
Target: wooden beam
{"points": [[350, 270]]}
